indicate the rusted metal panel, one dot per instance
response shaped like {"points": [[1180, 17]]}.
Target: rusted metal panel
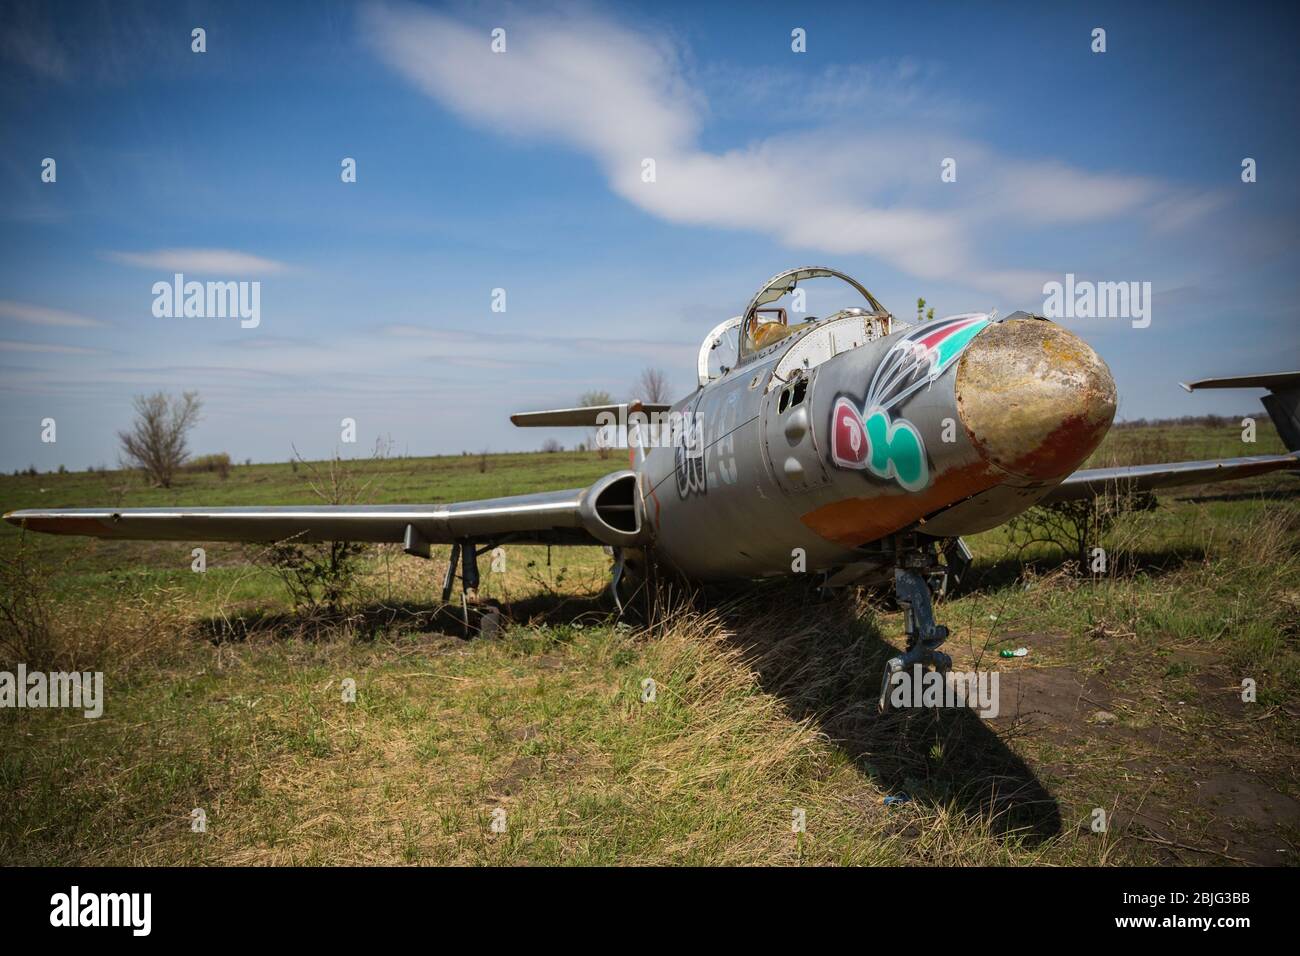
{"points": [[1034, 398]]}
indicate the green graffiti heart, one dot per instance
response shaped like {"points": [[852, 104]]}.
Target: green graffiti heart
{"points": [[896, 450]]}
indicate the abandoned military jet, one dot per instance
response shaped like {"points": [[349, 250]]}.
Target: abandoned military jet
{"points": [[855, 447]]}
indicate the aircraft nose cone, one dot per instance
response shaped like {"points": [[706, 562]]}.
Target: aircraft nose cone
{"points": [[1036, 400]]}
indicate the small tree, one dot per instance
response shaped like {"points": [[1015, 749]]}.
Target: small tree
{"points": [[1076, 526], [159, 438], [323, 576], [598, 437], [652, 386]]}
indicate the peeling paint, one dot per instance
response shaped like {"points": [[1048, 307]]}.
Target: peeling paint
{"points": [[856, 521], [1034, 398]]}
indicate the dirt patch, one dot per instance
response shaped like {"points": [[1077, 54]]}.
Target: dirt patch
{"points": [[1219, 693], [1071, 709], [1050, 699], [1219, 815], [512, 781], [1250, 816]]}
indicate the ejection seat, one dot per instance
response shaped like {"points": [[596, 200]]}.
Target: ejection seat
{"points": [[764, 327]]}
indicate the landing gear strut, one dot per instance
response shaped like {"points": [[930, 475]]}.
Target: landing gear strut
{"points": [[616, 577], [923, 635], [469, 575]]}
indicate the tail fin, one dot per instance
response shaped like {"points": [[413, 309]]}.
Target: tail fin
{"points": [[618, 426], [1282, 401]]}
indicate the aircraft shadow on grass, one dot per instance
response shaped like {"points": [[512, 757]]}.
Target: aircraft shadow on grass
{"points": [[830, 673], [937, 757]]}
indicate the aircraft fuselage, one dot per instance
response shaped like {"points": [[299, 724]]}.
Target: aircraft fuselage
{"points": [[948, 427]]}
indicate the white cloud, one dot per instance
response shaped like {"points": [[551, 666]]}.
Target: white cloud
{"points": [[1052, 192], [1177, 213], [212, 261], [621, 97], [617, 95], [40, 315]]}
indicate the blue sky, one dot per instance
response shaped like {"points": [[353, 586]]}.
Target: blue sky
{"points": [[521, 170]]}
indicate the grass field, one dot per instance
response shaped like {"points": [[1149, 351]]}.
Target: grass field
{"points": [[220, 696]]}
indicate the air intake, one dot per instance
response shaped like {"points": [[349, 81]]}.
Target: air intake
{"points": [[611, 510]]}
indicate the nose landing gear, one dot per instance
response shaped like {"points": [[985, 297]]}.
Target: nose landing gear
{"points": [[923, 635]]}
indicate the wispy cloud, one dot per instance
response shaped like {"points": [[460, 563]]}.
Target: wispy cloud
{"points": [[521, 349], [8, 345], [887, 89], [40, 315], [214, 261], [876, 193], [269, 343], [32, 44]]}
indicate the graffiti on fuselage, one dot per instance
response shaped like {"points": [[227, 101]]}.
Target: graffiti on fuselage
{"points": [[706, 455], [869, 437], [689, 449], [688, 466], [723, 449]]}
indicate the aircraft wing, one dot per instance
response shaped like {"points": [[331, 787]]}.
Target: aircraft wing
{"points": [[1096, 481], [1269, 380], [1282, 401], [605, 513], [1282, 404]]}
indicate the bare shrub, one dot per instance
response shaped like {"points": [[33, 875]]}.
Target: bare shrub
{"points": [[218, 463], [158, 440], [652, 386], [599, 440], [1076, 527], [323, 576], [48, 633], [26, 608], [318, 576]]}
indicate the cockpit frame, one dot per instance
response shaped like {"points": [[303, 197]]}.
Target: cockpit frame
{"points": [[750, 339]]}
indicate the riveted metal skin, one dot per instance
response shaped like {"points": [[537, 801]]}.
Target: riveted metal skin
{"points": [[769, 481]]}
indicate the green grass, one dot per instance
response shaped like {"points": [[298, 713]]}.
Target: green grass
{"points": [[762, 706]]}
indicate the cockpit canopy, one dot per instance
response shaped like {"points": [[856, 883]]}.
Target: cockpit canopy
{"points": [[738, 340]]}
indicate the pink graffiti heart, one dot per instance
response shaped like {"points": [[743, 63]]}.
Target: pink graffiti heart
{"points": [[848, 436]]}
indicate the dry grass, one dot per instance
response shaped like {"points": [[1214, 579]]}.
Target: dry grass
{"points": [[758, 712], [48, 632], [218, 696]]}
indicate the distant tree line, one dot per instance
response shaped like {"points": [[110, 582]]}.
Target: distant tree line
{"points": [[1199, 421]]}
